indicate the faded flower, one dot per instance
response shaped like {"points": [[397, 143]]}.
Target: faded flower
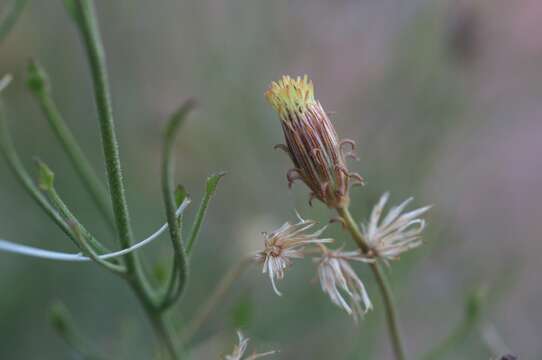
{"points": [[287, 243], [312, 142], [397, 232], [339, 280], [239, 350]]}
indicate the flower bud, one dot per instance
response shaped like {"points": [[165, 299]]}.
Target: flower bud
{"points": [[312, 142]]}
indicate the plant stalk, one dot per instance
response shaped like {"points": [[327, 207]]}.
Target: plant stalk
{"points": [[86, 21], [214, 299], [383, 286]]}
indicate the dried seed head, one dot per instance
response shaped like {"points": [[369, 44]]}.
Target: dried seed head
{"points": [[312, 142], [239, 350], [397, 232], [338, 278], [285, 244]]}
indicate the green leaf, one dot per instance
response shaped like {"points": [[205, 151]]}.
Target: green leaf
{"points": [[210, 189], [180, 195], [160, 273], [71, 8], [242, 312], [36, 78], [60, 319], [177, 119], [46, 177]]}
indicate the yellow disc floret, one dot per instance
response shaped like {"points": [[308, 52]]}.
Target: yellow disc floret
{"points": [[291, 95]]}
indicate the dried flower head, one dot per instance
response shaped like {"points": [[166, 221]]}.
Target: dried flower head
{"points": [[337, 279], [239, 350], [397, 232], [312, 142], [287, 243]]}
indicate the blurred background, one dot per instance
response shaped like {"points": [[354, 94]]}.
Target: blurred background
{"points": [[442, 98]]}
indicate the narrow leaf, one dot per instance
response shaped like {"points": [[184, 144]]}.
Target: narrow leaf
{"points": [[210, 188]]}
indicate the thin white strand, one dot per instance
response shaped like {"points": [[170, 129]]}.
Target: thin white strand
{"points": [[12, 247]]}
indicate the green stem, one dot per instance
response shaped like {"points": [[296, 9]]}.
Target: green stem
{"points": [[383, 286], [179, 272], [86, 241], [10, 19], [39, 85], [14, 162], [215, 298], [96, 56], [156, 318], [85, 18]]}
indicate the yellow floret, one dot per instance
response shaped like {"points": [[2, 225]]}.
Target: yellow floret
{"points": [[291, 95]]}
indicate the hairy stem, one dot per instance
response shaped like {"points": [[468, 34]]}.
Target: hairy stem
{"points": [[85, 19], [383, 286], [96, 57]]}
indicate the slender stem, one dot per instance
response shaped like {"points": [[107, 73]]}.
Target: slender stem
{"points": [[62, 322], [210, 188], [14, 162], [39, 85], [156, 318], [10, 19], [179, 271], [85, 18], [87, 242], [96, 56], [214, 299], [383, 286]]}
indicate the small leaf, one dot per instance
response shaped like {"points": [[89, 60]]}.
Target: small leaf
{"points": [[180, 195], [46, 177], [160, 273], [73, 11], [242, 311], [36, 78], [178, 117], [59, 317], [212, 182], [475, 303], [210, 188]]}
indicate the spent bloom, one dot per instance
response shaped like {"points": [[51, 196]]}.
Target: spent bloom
{"points": [[284, 244], [312, 142], [239, 350], [397, 232], [339, 280]]}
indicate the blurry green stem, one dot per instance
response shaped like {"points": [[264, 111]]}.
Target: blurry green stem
{"points": [[385, 290], [11, 16], [8, 149], [62, 322], [40, 87], [471, 318], [214, 299], [179, 272]]}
